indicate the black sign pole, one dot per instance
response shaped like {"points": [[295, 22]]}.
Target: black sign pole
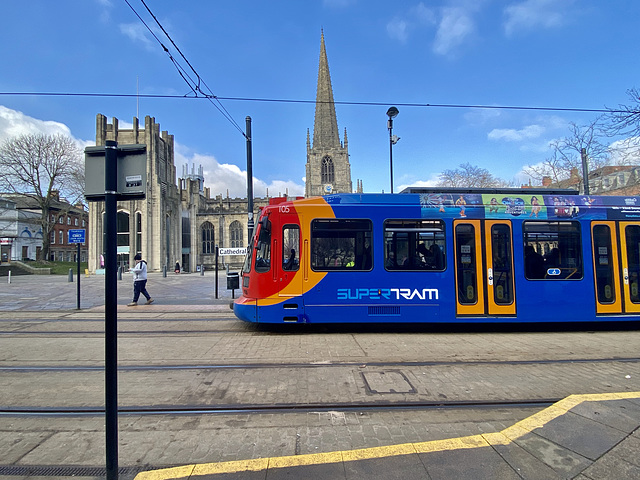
{"points": [[78, 302], [216, 281], [111, 308]]}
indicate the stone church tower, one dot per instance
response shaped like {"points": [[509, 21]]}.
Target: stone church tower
{"points": [[328, 169]]}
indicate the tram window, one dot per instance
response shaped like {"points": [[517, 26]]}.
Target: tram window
{"points": [[632, 237], [291, 247], [263, 253], [414, 245], [603, 264], [559, 245], [341, 244], [466, 274], [502, 264], [246, 267]]}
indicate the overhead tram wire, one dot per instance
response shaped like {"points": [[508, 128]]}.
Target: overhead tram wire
{"points": [[313, 102], [193, 85]]}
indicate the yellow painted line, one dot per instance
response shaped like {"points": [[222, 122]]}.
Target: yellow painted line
{"points": [[255, 465], [504, 437], [166, 473]]}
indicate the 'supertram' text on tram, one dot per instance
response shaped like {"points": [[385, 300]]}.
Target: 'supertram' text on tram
{"points": [[387, 293]]}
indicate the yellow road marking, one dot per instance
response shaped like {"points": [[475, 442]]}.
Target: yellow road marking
{"points": [[504, 437]]}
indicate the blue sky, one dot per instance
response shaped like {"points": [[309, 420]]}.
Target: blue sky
{"points": [[535, 53]]}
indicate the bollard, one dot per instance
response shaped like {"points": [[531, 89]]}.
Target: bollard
{"points": [[164, 271], [201, 270], [119, 273], [71, 275], [9, 279]]}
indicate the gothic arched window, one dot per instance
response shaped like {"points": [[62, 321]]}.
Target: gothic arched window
{"points": [[208, 238], [327, 170], [235, 234]]}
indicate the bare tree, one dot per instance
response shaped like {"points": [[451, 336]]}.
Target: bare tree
{"points": [[38, 166], [467, 175], [625, 121], [566, 157]]}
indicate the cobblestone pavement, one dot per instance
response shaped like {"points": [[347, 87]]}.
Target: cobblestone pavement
{"points": [[51, 356]]}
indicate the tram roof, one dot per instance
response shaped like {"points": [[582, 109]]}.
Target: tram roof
{"points": [[491, 191]]}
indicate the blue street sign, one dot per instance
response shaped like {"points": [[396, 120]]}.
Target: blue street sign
{"points": [[76, 236]]}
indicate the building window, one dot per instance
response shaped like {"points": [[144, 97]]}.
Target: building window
{"points": [[68, 220], [53, 237], [75, 222], [208, 238], [123, 229], [138, 232], [61, 220], [53, 218], [186, 233], [235, 234], [327, 170], [61, 236], [84, 223], [341, 244]]}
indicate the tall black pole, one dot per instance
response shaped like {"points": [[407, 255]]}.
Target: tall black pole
{"points": [[585, 170], [111, 307], [390, 126], [249, 180], [78, 299]]}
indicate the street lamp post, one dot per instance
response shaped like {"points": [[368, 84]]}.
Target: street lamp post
{"points": [[391, 113]]}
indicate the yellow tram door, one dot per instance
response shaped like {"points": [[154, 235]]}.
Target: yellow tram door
{"points": [[606, 270], [630, 264], [498, 241], [468, 267]]}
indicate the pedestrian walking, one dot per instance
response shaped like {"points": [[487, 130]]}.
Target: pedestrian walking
{"points": [[139, 281]]}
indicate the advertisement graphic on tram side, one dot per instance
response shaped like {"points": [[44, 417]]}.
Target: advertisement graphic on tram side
{"points": [[504, 206]]}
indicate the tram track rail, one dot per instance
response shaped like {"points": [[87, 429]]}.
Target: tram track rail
{"points": [[299, 365], [284, 408]]}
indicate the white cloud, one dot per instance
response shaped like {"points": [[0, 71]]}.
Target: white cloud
{"points": [[409, 182], [512, 135], [14, 123], [398, 29], [625, 151], [481, 116], [338, 3], [455, 27], [223, 177], [137, 33], [454, 24], [533, 14]]}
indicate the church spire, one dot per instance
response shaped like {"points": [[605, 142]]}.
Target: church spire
{"points": [[325, 127]]}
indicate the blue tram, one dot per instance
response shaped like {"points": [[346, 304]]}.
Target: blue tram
{"points": [[444, 256]]}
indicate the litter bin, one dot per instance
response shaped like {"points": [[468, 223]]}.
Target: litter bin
{"points": [[233, 282]]}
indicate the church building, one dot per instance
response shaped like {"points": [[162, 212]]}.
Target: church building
{"points": [[328, 169], [179, 221]]}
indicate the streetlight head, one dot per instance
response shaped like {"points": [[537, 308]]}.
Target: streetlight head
{"points": [[392, 112]]}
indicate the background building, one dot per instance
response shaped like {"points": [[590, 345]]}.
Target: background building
{"points": [[179, 220], [150, 226], [21, 229], [328, 169]]}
